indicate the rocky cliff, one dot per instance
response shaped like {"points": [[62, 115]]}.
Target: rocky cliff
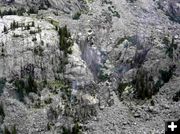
{"points": [[89, 66]]}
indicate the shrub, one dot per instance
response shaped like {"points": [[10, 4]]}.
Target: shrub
{"points": [[2, 111], [116, 14], [33, 24], [13, 131], [27, 27], [131, 1], [166, 75], [121, 88], [32, 85], [2, 84], [32, 10], [6, 131], [170, 46], [76, 128], [5, 29], [66, 131], [32, 32], [21, 11], [144, 84], [176, 97], [76, 16], [65, 42], [24, 87], [14, 25], [8, 12], [20, 85], [34, 39], [38, 50]]}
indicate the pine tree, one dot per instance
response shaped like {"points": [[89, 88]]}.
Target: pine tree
{"points": [[28, 27], [5, 29], [0, 13], [10, 12], [33, 24], [6, 131], [14, 131]]}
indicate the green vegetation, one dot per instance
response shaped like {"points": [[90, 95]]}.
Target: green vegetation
{"points": [[66, 131], [65, 41], [2, 111], [121, 88], [34, 39], [76, 129], [53, 22], [38, 51], [48, 101], [131, 1], [76, 16], [103, 76], [165, 76], [121, 40], [13, 131], [24, 87], [2, 50], [114, 12], [19, 12], [33, 32], [2, 84], [5, 29], [58, 84], [32, 10], [170, 46], [107, 2], [90, 1], [14, 25], [176, 97], [17, 35], [27, 27], [144, 84], [45, 5], [7, 12]]}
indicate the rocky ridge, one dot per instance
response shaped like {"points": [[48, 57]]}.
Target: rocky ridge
{"points": [[119, 72]]}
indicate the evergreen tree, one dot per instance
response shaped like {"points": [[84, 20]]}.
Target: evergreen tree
{"points": [[6, 131], [0, 13], [33, 24], [28, 27], [14, 131], [10, 12], [5, 29]]}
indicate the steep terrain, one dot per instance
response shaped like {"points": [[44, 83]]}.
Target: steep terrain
{"points": [[89, 66]]}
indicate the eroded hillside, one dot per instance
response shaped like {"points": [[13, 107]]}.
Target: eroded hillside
{"points": [[89, 66]]}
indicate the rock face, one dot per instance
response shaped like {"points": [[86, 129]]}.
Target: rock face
{"points": [[63, 5], [89, 66], [28, 51], [174, 10]]}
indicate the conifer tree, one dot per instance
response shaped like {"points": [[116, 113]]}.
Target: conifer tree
{"points": [[5, 29]]}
